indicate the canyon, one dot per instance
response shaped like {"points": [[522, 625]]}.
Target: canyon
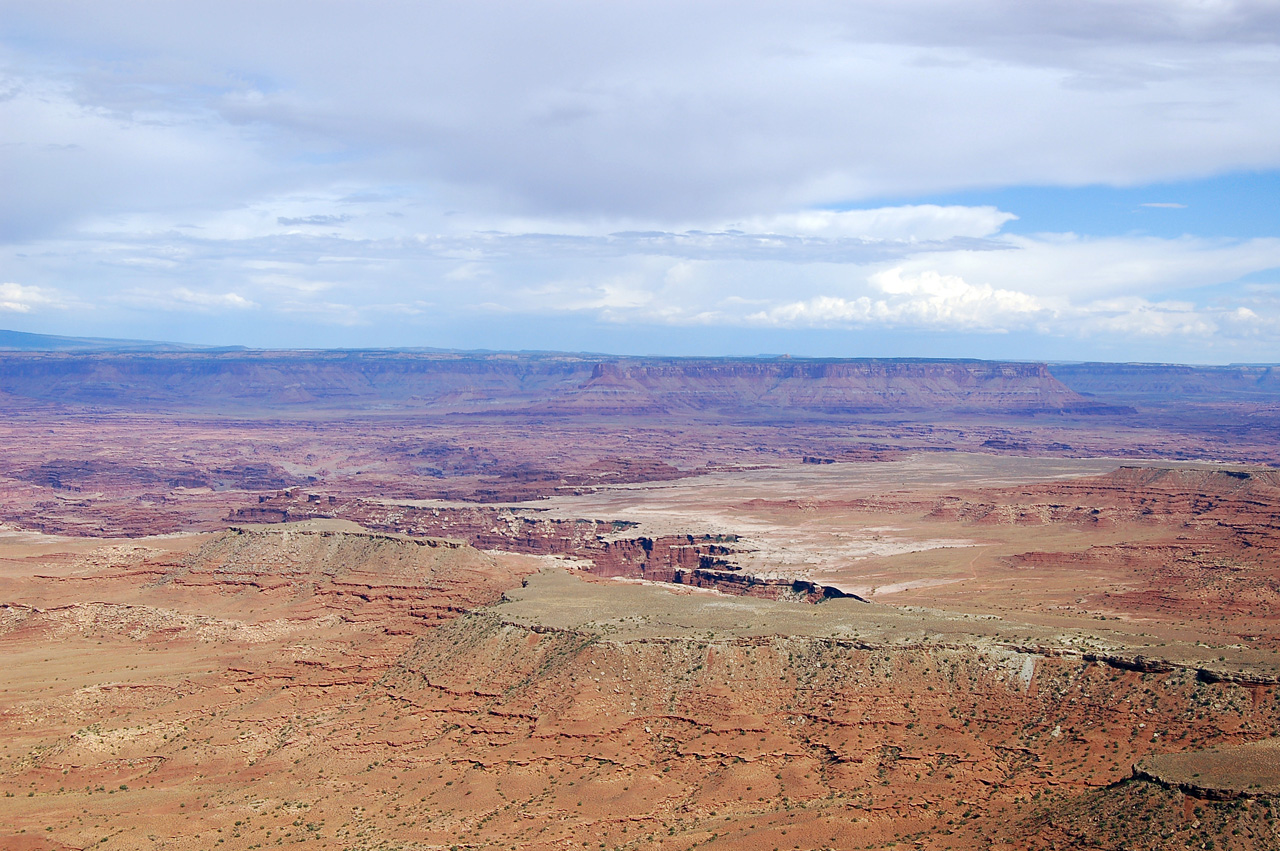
{"points": [[369, 600]]}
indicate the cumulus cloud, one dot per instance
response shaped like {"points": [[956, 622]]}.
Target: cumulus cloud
{"points": [[932, 301], [1031, 287], [927, 299], [1054, 284]]}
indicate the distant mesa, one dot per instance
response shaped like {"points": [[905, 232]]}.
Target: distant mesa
{"points": [[150, 375], [1138, 383], [156, 377]]}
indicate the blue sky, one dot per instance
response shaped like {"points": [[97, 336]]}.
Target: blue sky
{"points": [[1095, 179], [1234, 205]]}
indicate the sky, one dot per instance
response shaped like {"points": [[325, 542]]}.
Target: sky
{"points": [[1075, 180]]}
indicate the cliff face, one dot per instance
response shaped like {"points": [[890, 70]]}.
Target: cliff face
{"points": [[835, 386], [502, 383]]}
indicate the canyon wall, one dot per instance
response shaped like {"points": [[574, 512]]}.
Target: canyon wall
{"points": [[442, 383]]}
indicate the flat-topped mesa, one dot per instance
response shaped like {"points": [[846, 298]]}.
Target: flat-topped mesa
{"points": [[1261, 482], [1221, 774], [331, 548], [1155, 383], [822, 385], [442, 383]]}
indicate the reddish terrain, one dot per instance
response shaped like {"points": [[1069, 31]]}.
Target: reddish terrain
{"points": [[561, 601]]}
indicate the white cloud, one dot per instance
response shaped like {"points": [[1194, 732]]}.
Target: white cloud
{"points": [[1032, 286], [679, 112], [932, 301], [294, 281], [949, 296], [184, 298], [1147, 319], [203, 299], [1059, 285], [1079, 267], [467, 272], [915, 223], [924, 300], [16, 298]]}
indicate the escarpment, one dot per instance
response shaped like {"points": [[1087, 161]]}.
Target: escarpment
{"points": [[549, 383], [701, 561]]}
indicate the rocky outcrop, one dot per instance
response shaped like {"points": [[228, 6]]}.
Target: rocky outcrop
{"points": [[762, 587], [703, 561], [1218, 774]]}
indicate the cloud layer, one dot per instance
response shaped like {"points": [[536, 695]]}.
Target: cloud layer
{"points": [[321, 165]]}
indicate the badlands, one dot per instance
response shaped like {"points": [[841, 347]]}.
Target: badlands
{"points": [[378, 600]]}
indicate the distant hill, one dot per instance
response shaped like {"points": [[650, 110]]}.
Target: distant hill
{"points": [[21, 341], [1155, 383]]}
